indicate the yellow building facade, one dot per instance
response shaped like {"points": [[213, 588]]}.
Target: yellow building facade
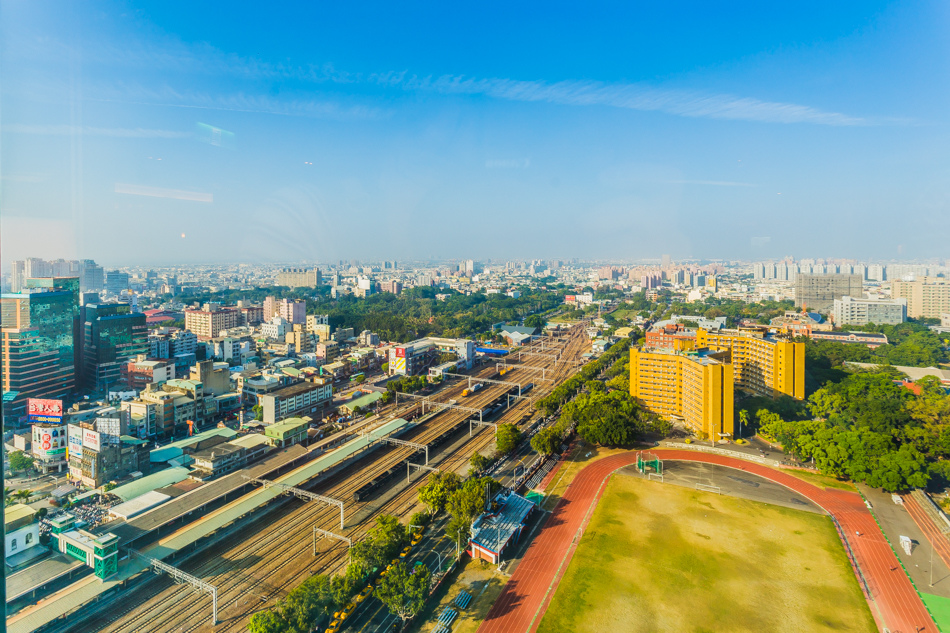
{"points": [[695, 387], [763, 365]]}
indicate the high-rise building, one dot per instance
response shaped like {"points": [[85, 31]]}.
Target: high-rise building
{"points": [[112, 336], [817, 292], [38, 349], [116, 282], [926, 297], [293, 311], [695, 387], [270, 308], [764, 365], [18, 276], [857, 311], [91, 276], [665, 261], [299, 278]]}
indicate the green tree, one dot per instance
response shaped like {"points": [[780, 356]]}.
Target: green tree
{"points": [[20, 461], [381, 544], [344, 586], [743, 421], [437, 490], [308, 603], [608, 419], [546, 441], [267, 621], [507, 437], [594, 386], [404, 590], [900, 470], [478, 462], [258, 411], [535, 321], [23, 495]]}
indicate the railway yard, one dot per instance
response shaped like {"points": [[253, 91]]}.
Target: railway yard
{"points": [[273, 550]]}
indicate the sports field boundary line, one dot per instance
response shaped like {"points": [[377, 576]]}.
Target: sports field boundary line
{"points": [[900, 562], [520, 604], [568, 556]]}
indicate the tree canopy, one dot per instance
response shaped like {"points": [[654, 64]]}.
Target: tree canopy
{"points": [[507, 437], [404, 590], [869, 429]]}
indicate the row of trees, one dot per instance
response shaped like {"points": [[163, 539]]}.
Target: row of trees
{"points": [[317, 598], [462, 499], [564, 392], [868, 429]]}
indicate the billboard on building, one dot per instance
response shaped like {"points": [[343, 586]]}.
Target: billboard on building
{"points": [[41, 410], [74, 439], [49, 440], [91, 440], [110, 429]]}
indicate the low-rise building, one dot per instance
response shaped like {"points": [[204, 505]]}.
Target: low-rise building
{"points": [[871, 339], [21, 533], [142, 372], [303, 398], [287, 432], [217, 460], [858, 311]]}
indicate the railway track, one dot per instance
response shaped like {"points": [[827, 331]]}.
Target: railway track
{"points": [[268, 562]]}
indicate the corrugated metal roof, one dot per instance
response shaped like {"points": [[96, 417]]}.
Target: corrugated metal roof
{"points": [[139, 487], [363, 401], [16, 512]]}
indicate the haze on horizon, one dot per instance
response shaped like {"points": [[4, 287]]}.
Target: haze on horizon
{"points": [[284, 133]]}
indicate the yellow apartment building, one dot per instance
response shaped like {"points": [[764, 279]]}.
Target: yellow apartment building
{"points": [[694, 387], [763, 364]]}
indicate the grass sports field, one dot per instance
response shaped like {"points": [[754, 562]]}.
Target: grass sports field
{"points": [[658, 557]]}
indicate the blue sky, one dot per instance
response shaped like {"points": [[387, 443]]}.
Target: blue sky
{"points": [[161, 132]]}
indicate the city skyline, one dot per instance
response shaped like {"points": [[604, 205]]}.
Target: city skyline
{"points": [[527, 137]]}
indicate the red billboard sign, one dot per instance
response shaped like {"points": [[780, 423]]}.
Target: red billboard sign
{"points": [[400, 352], [46, 408]]}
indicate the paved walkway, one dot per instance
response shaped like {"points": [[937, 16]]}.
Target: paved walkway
{"points": [[521, 605]]}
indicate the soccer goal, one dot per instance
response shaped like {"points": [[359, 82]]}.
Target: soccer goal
{"points": [[649, 464]]}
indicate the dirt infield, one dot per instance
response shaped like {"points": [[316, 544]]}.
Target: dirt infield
{"points": [[894, 602]]}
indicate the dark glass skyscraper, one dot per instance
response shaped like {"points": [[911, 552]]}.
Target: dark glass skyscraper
{"points": [[38, 349], [112, 336]]}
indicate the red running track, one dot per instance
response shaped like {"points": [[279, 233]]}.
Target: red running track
{"points": [[937, 539], [522, 603]]}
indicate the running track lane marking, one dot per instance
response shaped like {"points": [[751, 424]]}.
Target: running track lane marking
{"points": [[569, 553], [895, 598]]}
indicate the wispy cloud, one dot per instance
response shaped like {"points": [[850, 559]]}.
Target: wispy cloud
{"points": [[712, 183], [67, 130], [182, 58], [238, 102], [632, 97], [160, 192]]}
